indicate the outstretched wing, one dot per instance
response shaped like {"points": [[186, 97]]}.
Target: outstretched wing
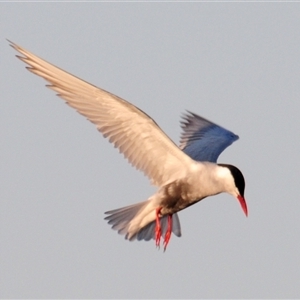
{"points": [[133, 132], [203, 140]]}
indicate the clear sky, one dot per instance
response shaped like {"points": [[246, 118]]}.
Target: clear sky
{"points": [[236, 64]]}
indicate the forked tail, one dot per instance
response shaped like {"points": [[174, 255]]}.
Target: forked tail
{"points": [[127, 221]]}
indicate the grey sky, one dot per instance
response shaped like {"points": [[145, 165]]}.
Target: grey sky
{"points": [[236, 64]]}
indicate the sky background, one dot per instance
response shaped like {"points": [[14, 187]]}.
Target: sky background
{"points": [[237, 64]]}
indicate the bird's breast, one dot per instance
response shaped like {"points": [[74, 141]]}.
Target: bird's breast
{"points": [[177, 196]]}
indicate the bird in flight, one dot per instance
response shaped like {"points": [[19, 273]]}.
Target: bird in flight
{"points": [[183, 175]]}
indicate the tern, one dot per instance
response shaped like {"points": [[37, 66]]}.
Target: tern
{"points": [[183, 174]]}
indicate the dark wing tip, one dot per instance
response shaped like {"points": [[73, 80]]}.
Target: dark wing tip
{"points": [[202, 139]]}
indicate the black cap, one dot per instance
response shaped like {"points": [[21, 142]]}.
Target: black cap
{"points": [[238, 178]]}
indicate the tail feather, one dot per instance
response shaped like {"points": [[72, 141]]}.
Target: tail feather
{"points": [[176, 229], [147, 232], [121, 219]]}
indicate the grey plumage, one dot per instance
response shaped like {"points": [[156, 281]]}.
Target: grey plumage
{"points": [[182, 178]]}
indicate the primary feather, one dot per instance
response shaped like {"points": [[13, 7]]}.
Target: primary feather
{"points": [[132, 131], [204, 140]]}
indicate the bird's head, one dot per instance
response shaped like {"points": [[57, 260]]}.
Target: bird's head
{"points": [[235, 184]]}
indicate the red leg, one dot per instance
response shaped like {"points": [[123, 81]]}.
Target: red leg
{"points": [[168, 233], [157, 228]]}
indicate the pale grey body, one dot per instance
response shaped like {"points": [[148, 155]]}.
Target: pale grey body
{"points": [[204, 179]]}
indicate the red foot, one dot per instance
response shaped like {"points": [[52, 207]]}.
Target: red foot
{"points": [[158, 233], [168, 233], [157, 228]]}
